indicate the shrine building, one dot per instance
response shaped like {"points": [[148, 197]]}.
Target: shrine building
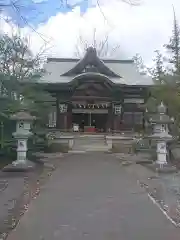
{"points": [[97, 95]]}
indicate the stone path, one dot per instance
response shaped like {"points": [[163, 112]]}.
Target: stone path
{"points": [[89, 197], [89, 143]]}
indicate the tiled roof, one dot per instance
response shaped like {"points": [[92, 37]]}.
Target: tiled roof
{"points": [[125, 71]]}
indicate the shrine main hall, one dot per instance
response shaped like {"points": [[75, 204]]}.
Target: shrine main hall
{"points": [[94, 94]]}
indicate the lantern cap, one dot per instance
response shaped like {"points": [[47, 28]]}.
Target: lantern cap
{"points": [[22, 115]]}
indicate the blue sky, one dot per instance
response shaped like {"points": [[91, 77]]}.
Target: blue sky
{"points": [[142, 29], [39, 11]]}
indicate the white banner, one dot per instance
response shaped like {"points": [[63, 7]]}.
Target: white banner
{"points": [[133, 100]]}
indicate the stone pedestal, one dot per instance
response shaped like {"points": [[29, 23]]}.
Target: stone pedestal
{"points": [[20, 166], [165, 168], [59, 141], [124, 143]]}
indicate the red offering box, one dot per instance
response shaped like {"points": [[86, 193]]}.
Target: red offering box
{"points": [[90, 129]]}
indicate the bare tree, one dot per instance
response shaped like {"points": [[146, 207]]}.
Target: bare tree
{"points": [[16, 58], [132, 2], [102, 45]]}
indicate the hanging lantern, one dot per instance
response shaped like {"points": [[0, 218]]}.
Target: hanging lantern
{"points": [[117, 109], [63, 108]]}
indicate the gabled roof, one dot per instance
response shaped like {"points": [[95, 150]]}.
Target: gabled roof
{"points": [[91, 62], [65, 70]]}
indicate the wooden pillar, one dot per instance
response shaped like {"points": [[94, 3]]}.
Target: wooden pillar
{"points": [[114, 123], [58, 119], [144, 121], [109, 118], [121, 120], [69, 117], [117, 123]]}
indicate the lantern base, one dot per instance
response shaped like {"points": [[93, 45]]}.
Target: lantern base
{"points": [[162, 168], [19, 166]]}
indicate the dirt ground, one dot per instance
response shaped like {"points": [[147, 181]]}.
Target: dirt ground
{"points": [[17, 190]]}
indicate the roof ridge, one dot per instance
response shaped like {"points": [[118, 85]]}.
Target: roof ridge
{"points": [[106, 60]]}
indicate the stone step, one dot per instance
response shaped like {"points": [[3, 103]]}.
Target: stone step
{"points": [[89, 143], [87, 138], [96, 150], [87, 150], [76, 151], [90, 136], [90, 149]]}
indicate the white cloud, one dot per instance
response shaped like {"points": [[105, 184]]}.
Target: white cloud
{"points": [[141, 29]]}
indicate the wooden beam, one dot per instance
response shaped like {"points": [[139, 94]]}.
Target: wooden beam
{"points": [[90, 97]]}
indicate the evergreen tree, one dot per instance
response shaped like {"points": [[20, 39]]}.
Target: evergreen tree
{"points": [[158, 72], [173, 47]]}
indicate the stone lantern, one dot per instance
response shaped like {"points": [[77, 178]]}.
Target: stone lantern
{"points": [[23, 125], [160, 122]]}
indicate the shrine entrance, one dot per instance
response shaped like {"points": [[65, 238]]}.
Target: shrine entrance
{"points": [[90, 120], [91, 104]]}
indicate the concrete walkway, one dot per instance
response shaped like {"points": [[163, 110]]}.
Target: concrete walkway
{"points": [[92, 197]]}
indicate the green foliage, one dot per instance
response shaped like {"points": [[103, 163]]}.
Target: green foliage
{"points": [[158, 72], [166, 75], [173, 47], [39, 101], [19, 71]]}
